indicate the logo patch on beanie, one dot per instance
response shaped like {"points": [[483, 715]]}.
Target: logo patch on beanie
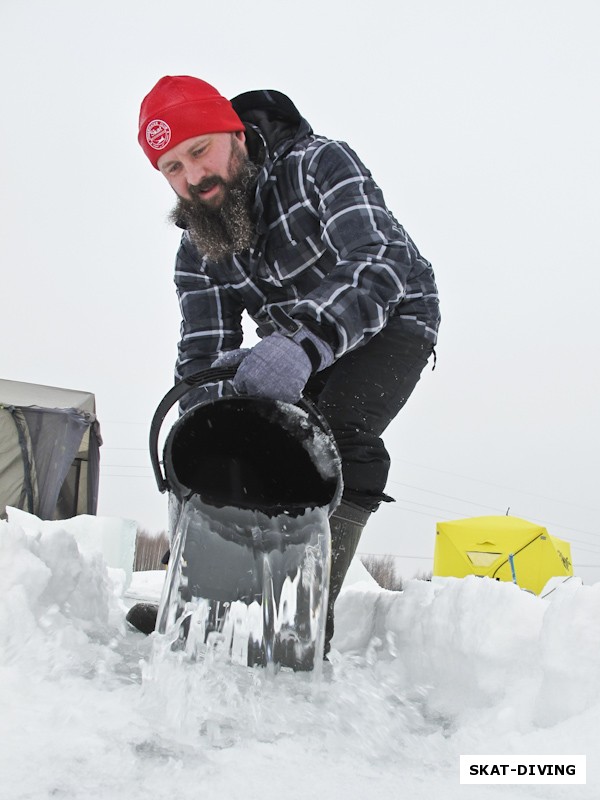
{"points": [[158, 134]]}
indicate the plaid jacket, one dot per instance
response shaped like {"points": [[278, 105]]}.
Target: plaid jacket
{"points": [[327, 250]]}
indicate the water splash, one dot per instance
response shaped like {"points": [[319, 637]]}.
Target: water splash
{"points": [[246, 587]]}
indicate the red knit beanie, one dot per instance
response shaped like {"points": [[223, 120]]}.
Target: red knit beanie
{"points": [[180, 107]]}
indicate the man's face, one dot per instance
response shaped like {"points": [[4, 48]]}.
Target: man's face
{"points": [[215, 184], [200, 167]]}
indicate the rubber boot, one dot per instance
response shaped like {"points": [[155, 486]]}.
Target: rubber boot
{"points": [[346, 524], [143, 617]]}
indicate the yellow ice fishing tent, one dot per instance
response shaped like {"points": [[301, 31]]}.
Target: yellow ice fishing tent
{"points": [[484, 546]]}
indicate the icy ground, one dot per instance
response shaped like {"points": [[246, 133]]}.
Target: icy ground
{"points": [[90, 709]]}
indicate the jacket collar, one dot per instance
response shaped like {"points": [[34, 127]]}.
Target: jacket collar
{"points": [[273, 126]]}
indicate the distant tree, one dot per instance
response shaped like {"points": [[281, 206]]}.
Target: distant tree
{"points": [[149, 550], [383, 569], [424, 575]]}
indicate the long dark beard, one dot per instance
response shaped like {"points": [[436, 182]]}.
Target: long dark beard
{"points": [[230, 228]]}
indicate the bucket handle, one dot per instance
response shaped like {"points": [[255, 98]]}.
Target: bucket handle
{"points": [[205, 377], [173, 396]]}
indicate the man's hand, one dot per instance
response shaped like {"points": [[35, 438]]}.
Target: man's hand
{"points": [[231, 358], [278, 367]]}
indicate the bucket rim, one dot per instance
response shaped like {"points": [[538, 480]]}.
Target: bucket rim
{"points": [[224, 375]]}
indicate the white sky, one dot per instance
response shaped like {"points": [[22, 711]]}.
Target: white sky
{"points": [[479, 120]]}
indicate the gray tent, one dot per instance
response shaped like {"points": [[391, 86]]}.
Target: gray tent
{"points": [[49, 450]]}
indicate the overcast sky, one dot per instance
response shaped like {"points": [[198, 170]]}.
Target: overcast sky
{"points": [[479, 120]]}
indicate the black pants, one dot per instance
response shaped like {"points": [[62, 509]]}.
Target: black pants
{"points": [[359, 395]]}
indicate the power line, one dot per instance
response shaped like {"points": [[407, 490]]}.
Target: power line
{"points": [[396, 555], [141, 449], [122, 422], [430, 515], [115, 475], [496, 485], [447, 496], [126, 466], [548, 523], [545, 523], [586, 549], [414, 511], [430, 508], [435, 508]]}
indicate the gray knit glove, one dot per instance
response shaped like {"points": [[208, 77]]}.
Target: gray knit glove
{"points": [[279, 366], [231, 358]]}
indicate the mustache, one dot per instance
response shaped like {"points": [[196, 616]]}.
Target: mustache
{"points": [[207, 183]]}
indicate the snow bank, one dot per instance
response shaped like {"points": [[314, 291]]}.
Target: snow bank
{"points": [[112, 537], [475, 644], [53, 600], [89, 708]]}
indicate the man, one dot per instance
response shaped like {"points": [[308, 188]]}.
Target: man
{"points": [[291, 227]]}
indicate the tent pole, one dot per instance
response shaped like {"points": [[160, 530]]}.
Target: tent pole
{"points": [[511, 560]]}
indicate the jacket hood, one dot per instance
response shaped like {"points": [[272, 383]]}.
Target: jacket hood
{"points": [[275, 115]]}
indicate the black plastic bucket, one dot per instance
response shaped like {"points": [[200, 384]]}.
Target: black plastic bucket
{"points": [[251, 484]]}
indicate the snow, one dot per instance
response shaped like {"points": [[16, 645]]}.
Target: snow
{"points": [[111, 536], [91, 709]]}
